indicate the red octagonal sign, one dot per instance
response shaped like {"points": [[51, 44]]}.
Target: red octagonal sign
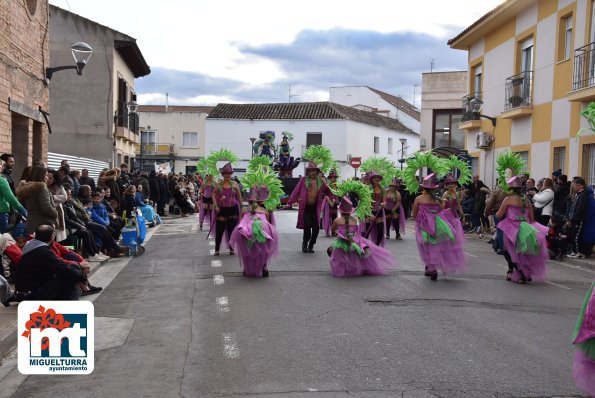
{"points": [[355, 162]]}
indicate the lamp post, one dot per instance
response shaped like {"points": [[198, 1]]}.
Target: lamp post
{"points": [[403, 142], [252, 139], [81, 52]]}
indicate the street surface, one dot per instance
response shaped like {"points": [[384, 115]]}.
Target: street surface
{"points": [[178, 322]]}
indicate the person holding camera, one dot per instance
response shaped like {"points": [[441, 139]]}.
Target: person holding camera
{"points": [[543, 202]]}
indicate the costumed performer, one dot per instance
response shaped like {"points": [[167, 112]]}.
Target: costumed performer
{"points": [[395, 214], [331, 203], [583, 367]]}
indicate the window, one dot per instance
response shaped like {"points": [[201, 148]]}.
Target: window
{"points": [[148, 137], [475, 166], [390, 146], [313, 139], [559, 158], [189, 140], [477, 72], [446, 131], [376, 145], [565, 38], [527, 55], [525, 156], [589, 164]]}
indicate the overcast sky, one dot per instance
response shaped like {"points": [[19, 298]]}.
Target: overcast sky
{"points": [[239, 51]]}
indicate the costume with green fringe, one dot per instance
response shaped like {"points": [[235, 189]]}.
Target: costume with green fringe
{"points": [[439, 238], [523, 240], [383, 166], [321, 155], [454, 164], [255, 238], [583, 337], [205, 192]]}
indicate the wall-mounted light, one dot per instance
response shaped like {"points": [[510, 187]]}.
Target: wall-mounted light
{"points": [[81, 52], [476, 108]]}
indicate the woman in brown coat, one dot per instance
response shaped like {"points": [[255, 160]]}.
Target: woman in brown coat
{"points": [[37, 199]]}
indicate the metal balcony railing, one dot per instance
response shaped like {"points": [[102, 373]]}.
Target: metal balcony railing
{"points": [[155, 149], [126, 119], [584, 67], [518, 90], [467, 112]]}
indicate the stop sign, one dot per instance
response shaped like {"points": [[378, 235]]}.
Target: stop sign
{"points": [[355, 162]]}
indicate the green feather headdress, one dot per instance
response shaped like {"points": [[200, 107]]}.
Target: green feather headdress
{"points": [[383, 166], [258, 178], [217, 156], [418, 161], [508, 160], [589, 114], [363, 193], [261, 162], [201, 167], [454, 162], [320, 155], [288, 135]]}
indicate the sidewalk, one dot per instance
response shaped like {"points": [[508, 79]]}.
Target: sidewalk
{"points": [[100, 272]]}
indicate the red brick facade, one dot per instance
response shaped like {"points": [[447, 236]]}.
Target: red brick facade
{"points": [[24, 55]]}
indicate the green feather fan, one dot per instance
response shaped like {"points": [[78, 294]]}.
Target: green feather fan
{"points": [[453, 163], [217, 156], [363, 193], [201, 167], [320, 155], [288, 135], [261, 162], [418, 161], [508, 160], [589, 114], [383, 166]]}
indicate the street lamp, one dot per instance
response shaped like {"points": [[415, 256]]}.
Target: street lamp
{"points": [[403, 142], [252, 139], [81, 52], [476, 104]]}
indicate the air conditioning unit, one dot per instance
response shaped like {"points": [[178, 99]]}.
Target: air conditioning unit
{"points": [[483, 140]]}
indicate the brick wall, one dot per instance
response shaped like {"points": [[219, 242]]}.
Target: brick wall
{"points": [[24, 55]]}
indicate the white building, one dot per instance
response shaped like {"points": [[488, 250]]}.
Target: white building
{"points": [[376, 101], [347, 131]]}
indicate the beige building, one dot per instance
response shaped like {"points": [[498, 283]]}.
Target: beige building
{"points": [[532, 64], [174, 134], [24, 54], [441, 110]]}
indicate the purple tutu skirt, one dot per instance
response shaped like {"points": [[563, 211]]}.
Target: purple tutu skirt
{"points": [[255, 255], [583, 371], [447, 255], [532, 265], [366, 259]]}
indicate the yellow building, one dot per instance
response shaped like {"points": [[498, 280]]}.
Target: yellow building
{"points": [[532, 64]]}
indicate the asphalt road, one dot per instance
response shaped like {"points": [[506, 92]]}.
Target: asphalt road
{"points": [[180, 322]]}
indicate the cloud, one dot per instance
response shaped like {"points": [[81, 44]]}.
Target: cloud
{"points": [[313, 62]]}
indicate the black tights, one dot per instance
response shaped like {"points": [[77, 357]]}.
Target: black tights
{"points": [[311, 225], [379, 231], [396, 226], [226, 222]]}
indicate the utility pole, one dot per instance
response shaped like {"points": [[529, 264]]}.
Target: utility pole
{"points": [[289, 95], [431, 65], [415, 85]]}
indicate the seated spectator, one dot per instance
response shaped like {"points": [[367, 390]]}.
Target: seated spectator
{"points": [[7, 295], [77, 226], [83, 193], [10, 248], [128, 204], [147, 210], [45, 275], [183, 201], [558, 242], [99, 214], [71, 257], [84, 179]]}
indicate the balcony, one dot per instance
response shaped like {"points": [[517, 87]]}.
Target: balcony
{"points": [[154, 149], [583, 76], [469, 121], [126, 121], [518, 99]]}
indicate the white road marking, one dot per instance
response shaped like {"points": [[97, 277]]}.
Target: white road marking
{"points": [[557, 285], [218, 280], [194, 228], [472, 255], [215, 263], [212, 251], [230, 346], [211, 243], [223, 304]]}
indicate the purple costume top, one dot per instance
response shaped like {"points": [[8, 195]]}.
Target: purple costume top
{"points": [[301, 191], [452, 205], [208, 191], [226, 197], [257, 241]]}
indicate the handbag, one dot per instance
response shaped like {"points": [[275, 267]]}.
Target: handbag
{"points": [[537, 211]]}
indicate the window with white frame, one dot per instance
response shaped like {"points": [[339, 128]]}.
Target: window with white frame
{"points": [[376, 145], [189, 139], [477, 72], [559, 158], [588, 172], [567, 36], [148, 137], [390, 146]]}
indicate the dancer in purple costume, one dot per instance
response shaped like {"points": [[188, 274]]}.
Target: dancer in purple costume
{"points": [[395, 215], [227, 200], [439, 246], [331, 202], [255, 238], [376, 224], [524, 239], [583, 367], [351, 254], [205, 195], [452, 206], [309, 192]]}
